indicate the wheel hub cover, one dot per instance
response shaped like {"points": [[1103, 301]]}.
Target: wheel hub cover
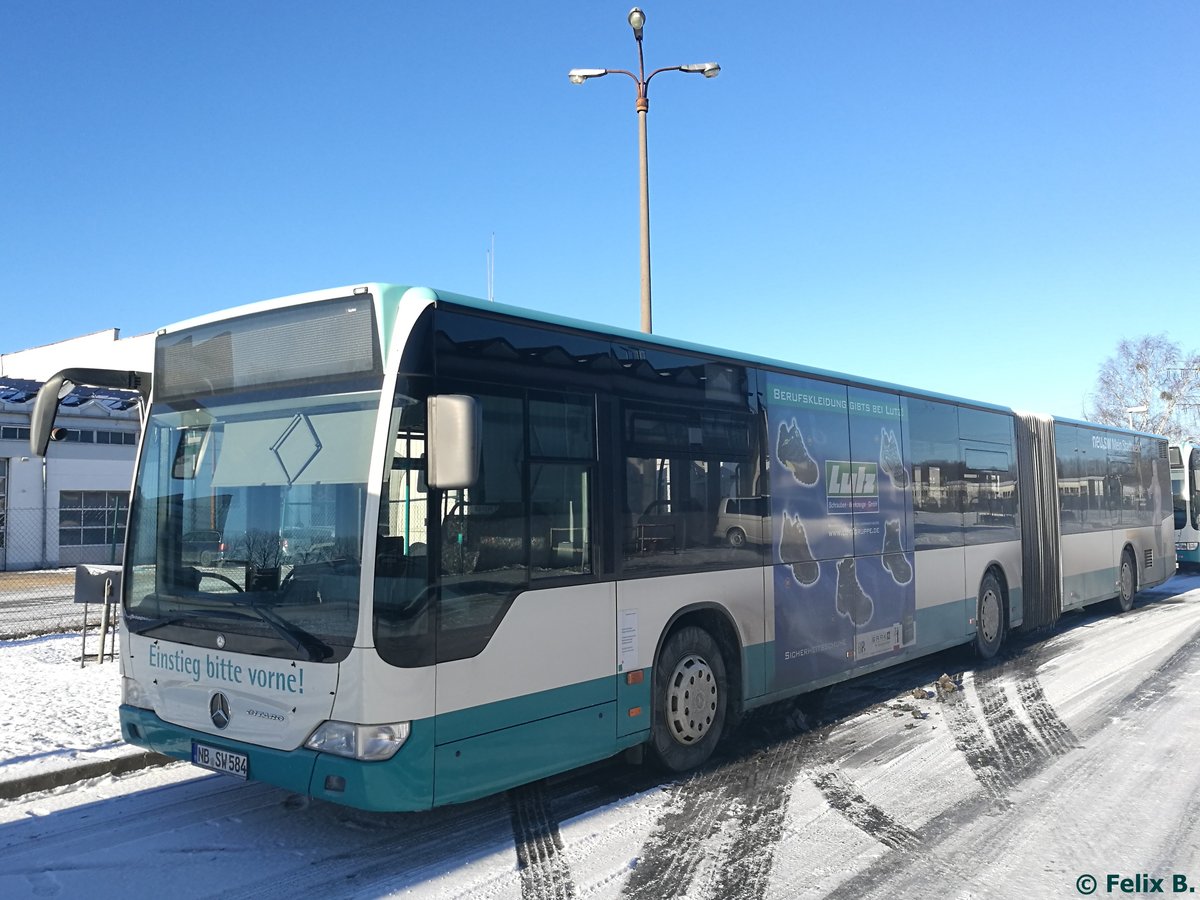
{"points": [[991, 615], [691, 699]]}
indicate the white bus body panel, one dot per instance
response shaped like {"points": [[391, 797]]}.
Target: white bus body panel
{"points": [[272, 702], [656, 600], [1005, 554], [549, 638], [372, 690], [941, 577]]}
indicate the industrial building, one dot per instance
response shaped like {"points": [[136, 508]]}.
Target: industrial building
{"points": [[71, 506]]}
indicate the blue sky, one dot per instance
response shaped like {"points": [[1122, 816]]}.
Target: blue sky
{"points": [[978, 198]]}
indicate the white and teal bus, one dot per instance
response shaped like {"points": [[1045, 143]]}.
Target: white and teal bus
{"points": [[466, 545], [1185, 493]]}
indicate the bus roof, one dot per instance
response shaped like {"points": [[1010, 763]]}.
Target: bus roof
{"points": [[390, 291], [687, 346]]}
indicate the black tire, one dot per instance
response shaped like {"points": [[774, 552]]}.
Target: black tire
{"points": [[691, 696], [989, 617], [1126, 584], [736, 537]]}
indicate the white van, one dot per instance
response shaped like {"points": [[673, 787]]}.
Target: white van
{"points": [[742, 520]]}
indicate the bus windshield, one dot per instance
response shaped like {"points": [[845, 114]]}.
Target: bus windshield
{"points": [[247, 522]]}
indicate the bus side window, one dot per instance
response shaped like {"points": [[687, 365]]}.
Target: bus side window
{"points": [[528, 517]]}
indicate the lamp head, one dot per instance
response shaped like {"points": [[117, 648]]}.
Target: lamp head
{"points": [[637, 21], [579, 76], [708, 69]]}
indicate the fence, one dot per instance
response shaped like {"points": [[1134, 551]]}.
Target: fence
{"points": [[38, 554]]}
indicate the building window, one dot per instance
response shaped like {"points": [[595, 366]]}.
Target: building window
{"points": [[92, 518]]}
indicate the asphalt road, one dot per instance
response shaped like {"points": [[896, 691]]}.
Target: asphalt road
{"points": [[40, 603]]}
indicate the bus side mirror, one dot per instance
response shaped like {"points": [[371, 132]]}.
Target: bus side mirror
{"points": [[45, 408], [454, 435]]}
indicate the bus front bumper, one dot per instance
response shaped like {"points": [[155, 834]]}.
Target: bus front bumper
{"points": [[403, 783]]}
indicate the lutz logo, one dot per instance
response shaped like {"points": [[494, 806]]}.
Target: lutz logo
{"points": [[851, 487]]}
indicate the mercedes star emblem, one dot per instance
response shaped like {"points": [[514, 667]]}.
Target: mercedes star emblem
{"points": [[218, 709]]}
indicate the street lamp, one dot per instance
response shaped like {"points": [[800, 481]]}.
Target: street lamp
{"points": [[1130, 410], [637, 21]]}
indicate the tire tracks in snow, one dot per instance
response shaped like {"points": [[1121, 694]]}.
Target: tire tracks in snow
{"points": [[544, 872], [732, 821], [1000, 770], [998, 745], [727, 819], [843, 795]]}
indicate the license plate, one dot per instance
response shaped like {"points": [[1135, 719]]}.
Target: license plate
{"points": [[236, 764]]}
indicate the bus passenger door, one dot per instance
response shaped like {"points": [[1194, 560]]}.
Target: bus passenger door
{"points": [[525, 632]]}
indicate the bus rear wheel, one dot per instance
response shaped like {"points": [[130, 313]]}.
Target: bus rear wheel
{"points": [[690, 700], [1126, 584], [989, 621]]}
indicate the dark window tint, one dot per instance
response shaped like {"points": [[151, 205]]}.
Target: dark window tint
{"points": [[561, 426], [990, 501], [1195, 488], [983, 425], [495, 349], [1072, 487], [404, 613], [990, 495], [690, 479], [560, 530], [937, 473], [528, 517]]}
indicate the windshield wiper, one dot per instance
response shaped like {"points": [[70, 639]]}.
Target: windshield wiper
{"points": [[143, 624], [304, 641], [309, 644]]}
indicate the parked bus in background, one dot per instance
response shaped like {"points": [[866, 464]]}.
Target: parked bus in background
{"points": [[1185, 494], [468, 545]]}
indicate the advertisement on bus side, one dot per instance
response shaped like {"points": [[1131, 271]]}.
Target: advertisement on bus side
{"points": [[842, 519]]}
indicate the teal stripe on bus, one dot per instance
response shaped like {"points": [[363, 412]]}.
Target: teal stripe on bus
{"points": [[487, 717], [477, 766], [1089, 587]]}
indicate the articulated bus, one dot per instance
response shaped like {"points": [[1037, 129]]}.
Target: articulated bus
{"points": [[1185, 493], [466, 546]]}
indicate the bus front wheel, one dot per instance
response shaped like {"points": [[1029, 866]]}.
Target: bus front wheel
{"points": [[690, 700]]}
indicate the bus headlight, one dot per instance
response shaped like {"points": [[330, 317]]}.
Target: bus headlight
{"points": [[365, 742], [133, 694], [1186, 545]]}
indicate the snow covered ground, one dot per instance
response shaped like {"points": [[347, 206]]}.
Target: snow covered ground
{"points": [[1072, 758], [53, 713]]}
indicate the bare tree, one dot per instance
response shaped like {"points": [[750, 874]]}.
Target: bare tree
{"points": [[1150, 385]]}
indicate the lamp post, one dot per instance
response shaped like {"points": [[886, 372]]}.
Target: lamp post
{"points": [[637, 21], [1130, 410]]}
